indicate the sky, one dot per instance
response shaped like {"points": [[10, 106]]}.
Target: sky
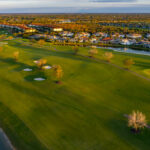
{"points": [[74, 6]]}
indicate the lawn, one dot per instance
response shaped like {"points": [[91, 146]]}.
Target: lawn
{"points": [[85, 112]]}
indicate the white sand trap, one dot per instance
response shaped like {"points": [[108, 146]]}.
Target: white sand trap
{"points": [[27, 69], [36, 61], [47, 67], [39, 79]]}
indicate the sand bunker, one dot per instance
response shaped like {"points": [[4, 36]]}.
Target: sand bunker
{"points": [[27, 69], [36, 61], [47, 67], [39, 79]]}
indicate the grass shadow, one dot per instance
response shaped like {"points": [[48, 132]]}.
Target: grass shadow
{"points": [[35, 74], [142, 65]]}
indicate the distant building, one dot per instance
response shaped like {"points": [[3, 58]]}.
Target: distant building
{"points": [[107, 39], [134, 36], [57, 29], [93, 40], [148, 35], [83, 34], [19, 27], [101, 34], [65, 21], [67, 34], [125, 42]]}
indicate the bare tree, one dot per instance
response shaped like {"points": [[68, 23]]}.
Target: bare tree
{"points": [[75, 49], [58, 72], [128, 62], [108, 56], [16, 55], [41, 42], [137, 120], [93, 52], [1, 49]]}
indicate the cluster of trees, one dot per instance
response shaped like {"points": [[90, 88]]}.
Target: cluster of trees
{"points": [[128, 62], [57, 69]]}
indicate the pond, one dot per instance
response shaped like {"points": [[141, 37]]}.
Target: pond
{"points": [[128, 50]]}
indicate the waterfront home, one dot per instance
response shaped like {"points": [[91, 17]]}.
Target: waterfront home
{"points": [[107, 39], [83, 39], [134, 36], [94, 40], [73, 40], [125, 42]]}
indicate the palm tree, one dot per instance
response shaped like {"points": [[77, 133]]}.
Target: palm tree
{"points": [[58, 72], [108, 56], [16, 55], [137, 120]]}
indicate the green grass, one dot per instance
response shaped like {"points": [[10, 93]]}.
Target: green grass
{"points": [[85, 112]]}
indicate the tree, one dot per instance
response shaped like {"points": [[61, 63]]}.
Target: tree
{"points": [[1, 49], [10, 38], [75, 49], [41, 63], [128, 62], [137, 120], [108, 56], [93, 52], [58, 73], [41, 42], [16, 55]]}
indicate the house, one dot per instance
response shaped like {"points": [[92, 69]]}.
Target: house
{"points": [[57, 29], [125, 42], [83, 34], [67, 34], [83, 39], [148, 35], [107, 39], [100, 34], [134, 36], [73, 40], [30, 30], [118, 35], [93, 40]]}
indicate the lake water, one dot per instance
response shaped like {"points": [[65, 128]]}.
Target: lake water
{"points": [[128, 50]]}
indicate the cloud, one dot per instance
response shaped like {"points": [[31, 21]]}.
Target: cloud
{"points": [[114, 1]]}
